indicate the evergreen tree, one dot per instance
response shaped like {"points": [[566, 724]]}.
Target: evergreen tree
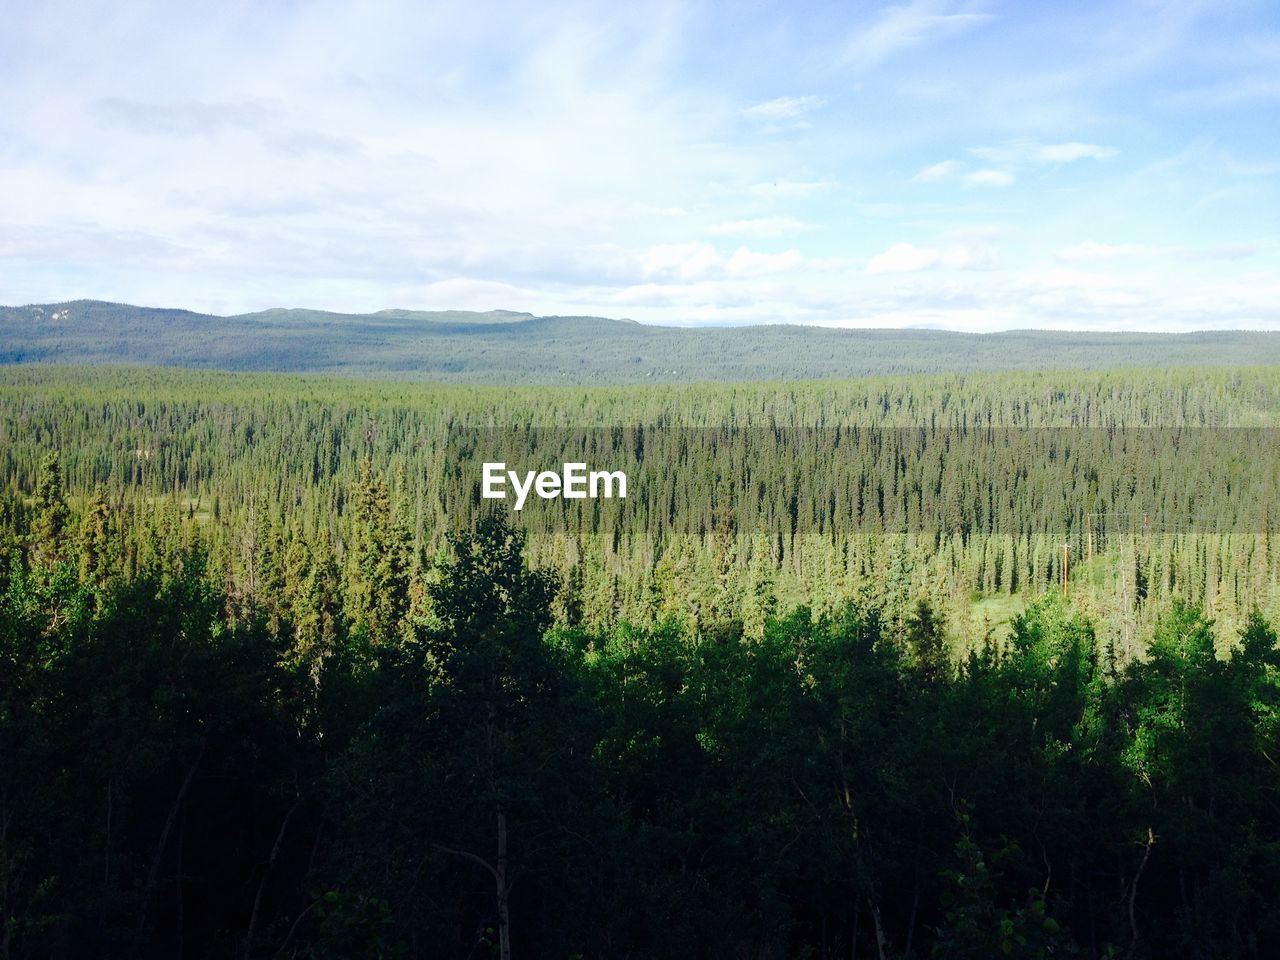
{"points": [[98, 559], [378, 598], [51, 514]]}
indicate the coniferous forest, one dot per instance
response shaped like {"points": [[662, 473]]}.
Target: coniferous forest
{"points": [[639, 481], [501, 346], [955, 666]]}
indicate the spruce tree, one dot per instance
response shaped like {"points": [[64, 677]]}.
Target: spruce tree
{"points": [[52, 516]]}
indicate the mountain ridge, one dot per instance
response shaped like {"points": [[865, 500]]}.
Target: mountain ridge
{"points": [[505, 346]]}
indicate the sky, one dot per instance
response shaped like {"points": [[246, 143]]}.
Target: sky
{"points": [[927, 163]]}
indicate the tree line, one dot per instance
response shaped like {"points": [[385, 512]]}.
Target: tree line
{"points": [[501, 347]]}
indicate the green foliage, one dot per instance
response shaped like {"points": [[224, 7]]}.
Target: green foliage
{"points": [[174, 773], [271, 684], [379, 575], [975, 925], [745, 499], [49, 527], [503, 347], [925, 640]]}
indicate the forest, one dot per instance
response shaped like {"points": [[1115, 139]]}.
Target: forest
{"points": [[503, 347], [942, 666]]}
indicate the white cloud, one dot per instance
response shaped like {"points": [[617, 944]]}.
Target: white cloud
{"points": [[1090, 250], [783, 108], [746, 262], [989, 178], [1011, 157], [760, 227], [1070, 152], [937, 172], [1228, 251], [904, 258], [563, 157], [974, 254], [464, 293], [1027, 153], [701, 261], [680, 260], [899, 28]]}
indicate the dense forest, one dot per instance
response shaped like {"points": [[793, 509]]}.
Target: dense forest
{"points": [[501, 347], [745, 498], [274, 682]]}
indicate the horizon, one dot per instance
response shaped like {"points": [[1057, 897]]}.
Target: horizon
{"points": [[666, 325], [967, 165]]}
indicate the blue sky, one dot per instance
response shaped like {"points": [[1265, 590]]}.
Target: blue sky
{"points": [[970, 165]]}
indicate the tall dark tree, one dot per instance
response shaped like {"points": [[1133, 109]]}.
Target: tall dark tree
{"points": [[51, 514], [500, 686], [378, 597]]}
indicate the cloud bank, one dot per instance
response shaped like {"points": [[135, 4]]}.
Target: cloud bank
{"points": [[968, 165]]}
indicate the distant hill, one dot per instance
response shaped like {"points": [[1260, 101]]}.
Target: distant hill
{"points": [[506, 347]]}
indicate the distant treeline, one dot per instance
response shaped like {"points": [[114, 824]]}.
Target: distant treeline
{"points": [[503, 348]]}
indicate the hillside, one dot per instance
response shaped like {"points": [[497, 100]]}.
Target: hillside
{"points": [[507, 347]]}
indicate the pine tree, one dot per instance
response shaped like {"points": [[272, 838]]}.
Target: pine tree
{"points": [[499, 683], [97, 550], [927, 643], [378, 598], [52, 516]]}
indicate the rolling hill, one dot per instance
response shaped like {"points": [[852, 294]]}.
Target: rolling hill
{"points": [[508, 347]]}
